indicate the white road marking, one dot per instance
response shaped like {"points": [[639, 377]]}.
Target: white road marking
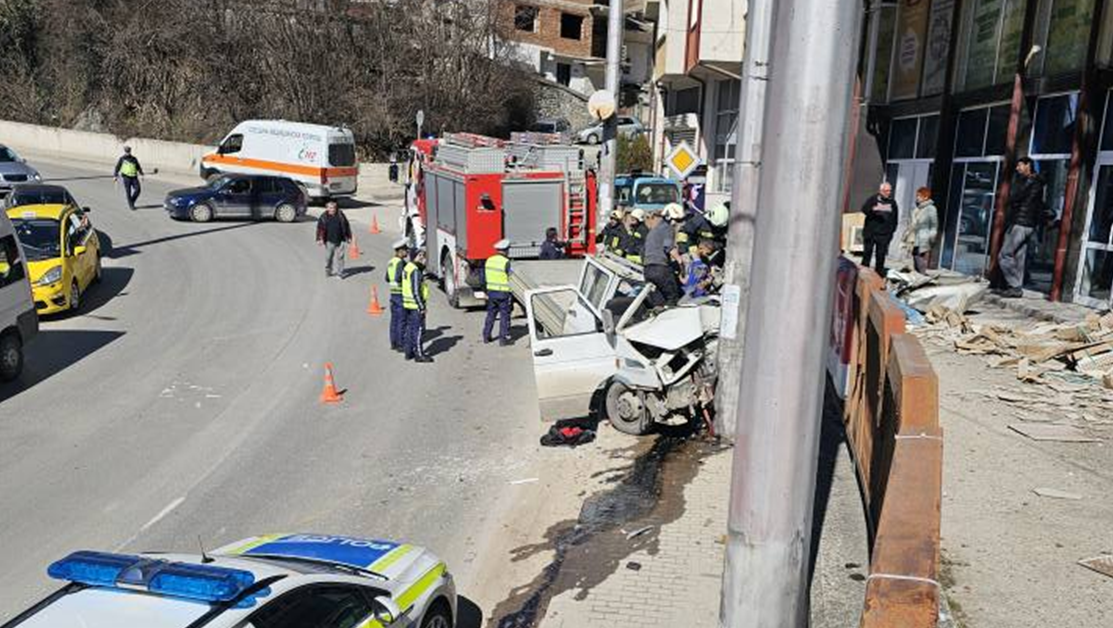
{"points": [[162, 513]]}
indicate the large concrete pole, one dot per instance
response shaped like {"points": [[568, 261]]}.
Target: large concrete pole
{"points": [[743, 210], [811, 78], [608, 160]]}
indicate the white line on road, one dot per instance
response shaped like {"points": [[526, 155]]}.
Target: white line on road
{"points": [[162, 513]]}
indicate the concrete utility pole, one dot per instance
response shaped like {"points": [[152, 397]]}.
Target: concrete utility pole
{"points": [[811, 78], [743, 213], [608, 161]]}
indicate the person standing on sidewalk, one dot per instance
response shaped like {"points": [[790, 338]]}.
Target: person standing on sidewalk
{"points": [[881, 221], [415, 300], [334, 232], [128, 172], [394, 270], [496, 278], [1027, 210], [919, 236]]}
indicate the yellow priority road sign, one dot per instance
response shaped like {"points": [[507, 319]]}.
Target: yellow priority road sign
{"points": [[682, 160]]}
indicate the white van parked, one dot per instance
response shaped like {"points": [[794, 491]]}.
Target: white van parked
{"points": [[18, 320], [322, 158]]}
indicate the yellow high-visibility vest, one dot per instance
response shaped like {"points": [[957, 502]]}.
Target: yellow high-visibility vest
{"points": [[392, 275], [498, 280], [408, 300]]}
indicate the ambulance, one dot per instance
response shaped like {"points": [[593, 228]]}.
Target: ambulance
{"points": [[322, 158]]}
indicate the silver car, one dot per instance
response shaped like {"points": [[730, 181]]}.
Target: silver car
{"points": [[14, 169], [627, 126]]}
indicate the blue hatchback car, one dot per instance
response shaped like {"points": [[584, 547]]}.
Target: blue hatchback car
{"points": [[243, 196]]}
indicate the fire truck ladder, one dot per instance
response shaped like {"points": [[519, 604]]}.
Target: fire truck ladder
{"points": [[577, 213]]}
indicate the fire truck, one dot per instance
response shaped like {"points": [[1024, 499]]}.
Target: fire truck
{"points": [[467, 192]]}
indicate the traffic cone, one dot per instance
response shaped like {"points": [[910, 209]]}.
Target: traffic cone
{"points": [[330, 394], [374, 225], [353, 251], [373, 308]]}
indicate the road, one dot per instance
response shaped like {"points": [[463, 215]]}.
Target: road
{"points": [[181, 404]]}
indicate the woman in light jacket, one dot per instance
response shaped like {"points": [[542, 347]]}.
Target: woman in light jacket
{"points": [[922, 230]]}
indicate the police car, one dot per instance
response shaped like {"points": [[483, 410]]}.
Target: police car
{"points": [[272, 581]]}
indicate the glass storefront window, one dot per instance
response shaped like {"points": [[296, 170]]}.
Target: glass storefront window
{"points": [[1011, 27], [975, 218], [1097, 258], [998, 130], [950, 218], [970, 138], [1054, 129], [1107, 134], [1097, 275], [992, 42], [902, 138], [929, 134], [887, 18], [1040, 267], [1067, 36], [1101, 222]]}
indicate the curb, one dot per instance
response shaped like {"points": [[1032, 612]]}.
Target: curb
{"points": [[1062, 313]]}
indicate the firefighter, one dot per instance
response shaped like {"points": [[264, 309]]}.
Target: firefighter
{"points": [[394, 270], [636, 231], [415, 299], [128, 172], [613, 233], [719, 217], [693, 228], [496, 278]]}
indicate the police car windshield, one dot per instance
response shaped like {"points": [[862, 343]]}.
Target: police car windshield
{"points": [[41, 238], [117, 608]]}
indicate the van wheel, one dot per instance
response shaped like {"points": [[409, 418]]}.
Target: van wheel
{"points": [[11, 357], [448, 274], [627, 411], [285, 213], [201, 212]]}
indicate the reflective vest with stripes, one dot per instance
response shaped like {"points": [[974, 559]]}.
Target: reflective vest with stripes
{"points": [[408, 300], [392, 275], [498, 280]]}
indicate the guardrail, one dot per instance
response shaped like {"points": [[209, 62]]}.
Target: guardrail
{"points": [[891, 413]]}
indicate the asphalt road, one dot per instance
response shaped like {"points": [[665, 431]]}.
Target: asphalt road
{"points": [[181, 403]]}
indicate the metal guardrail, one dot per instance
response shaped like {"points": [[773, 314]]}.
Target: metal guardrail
{"points": [[892, 424]]}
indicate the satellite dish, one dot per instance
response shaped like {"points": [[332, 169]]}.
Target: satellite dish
{"points": [[601, 105]]}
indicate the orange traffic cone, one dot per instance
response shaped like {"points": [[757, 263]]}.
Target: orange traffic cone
{"points": [[374, 225], [373, 308], [330, 394], [353, 251]]}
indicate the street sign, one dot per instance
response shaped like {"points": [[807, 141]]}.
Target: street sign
{"points": [[682, 160], [601, 105]]}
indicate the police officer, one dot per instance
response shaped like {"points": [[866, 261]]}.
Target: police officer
{"points": [[496, 277], [394, 270], [128, 172], [415, 299], [634, 243]]}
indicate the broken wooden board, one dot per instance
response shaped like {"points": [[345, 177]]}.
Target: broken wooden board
{"points": [[1102, 564], [1053, 432]]}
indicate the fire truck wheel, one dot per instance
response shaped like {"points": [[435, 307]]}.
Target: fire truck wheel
{"points": [[450, 289]]}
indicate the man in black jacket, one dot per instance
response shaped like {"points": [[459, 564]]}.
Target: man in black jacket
{"points": [[881, 221], [1027, 210], [335, 234]]}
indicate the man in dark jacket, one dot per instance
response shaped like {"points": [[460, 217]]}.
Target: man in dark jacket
{"points": [[128, 172], [1027, 211], [334, 233], [552, 248], [881, 221]]}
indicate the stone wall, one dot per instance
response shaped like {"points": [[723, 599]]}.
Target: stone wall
{"points": [[556, 101]]}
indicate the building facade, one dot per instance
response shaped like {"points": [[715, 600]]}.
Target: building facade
{"points": [[957, 90]]}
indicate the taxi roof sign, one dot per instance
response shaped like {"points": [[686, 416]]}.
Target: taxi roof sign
{"points": [[682, 160]]}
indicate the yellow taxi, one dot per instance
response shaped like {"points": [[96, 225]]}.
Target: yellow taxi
{"points": [[63, 253]]}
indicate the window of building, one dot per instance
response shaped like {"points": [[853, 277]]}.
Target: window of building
{"points": [[928, 136], [902, 138], [1107, 133], [886, 18], [525, 18], [571, 26], [726, 133], [1050, 148], [564, 73], [992, 31], [1067, 34], [684, 101], [1053, 132]]}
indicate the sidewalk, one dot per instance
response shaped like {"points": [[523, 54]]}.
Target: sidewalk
{"points": [[635, 534]]}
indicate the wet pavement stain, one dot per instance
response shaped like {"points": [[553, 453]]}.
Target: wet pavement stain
{"points": [[648, 493]]}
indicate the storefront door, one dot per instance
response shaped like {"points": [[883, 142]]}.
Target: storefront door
{"points": [[977, 184], [1096, 265]]}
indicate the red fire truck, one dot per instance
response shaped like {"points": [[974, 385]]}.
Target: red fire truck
{"points": [[468, 191]]}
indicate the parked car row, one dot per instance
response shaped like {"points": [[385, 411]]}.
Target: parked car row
{"points": [[592, 135]]}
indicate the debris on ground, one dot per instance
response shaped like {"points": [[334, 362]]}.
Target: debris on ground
{"points": [[1054, 493], [923, 293], [1053, 432], [567, 435], [1102, 564]]}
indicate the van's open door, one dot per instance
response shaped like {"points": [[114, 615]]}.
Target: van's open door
{"points": [[572, 357]]}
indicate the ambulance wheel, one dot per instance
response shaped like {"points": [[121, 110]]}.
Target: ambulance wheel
{"points": [[450, 288], [201, 212], [285, 213], [11, 357], [626, 410]]}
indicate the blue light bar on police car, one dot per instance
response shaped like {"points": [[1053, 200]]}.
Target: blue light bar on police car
{"points": [[205, 583]]}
